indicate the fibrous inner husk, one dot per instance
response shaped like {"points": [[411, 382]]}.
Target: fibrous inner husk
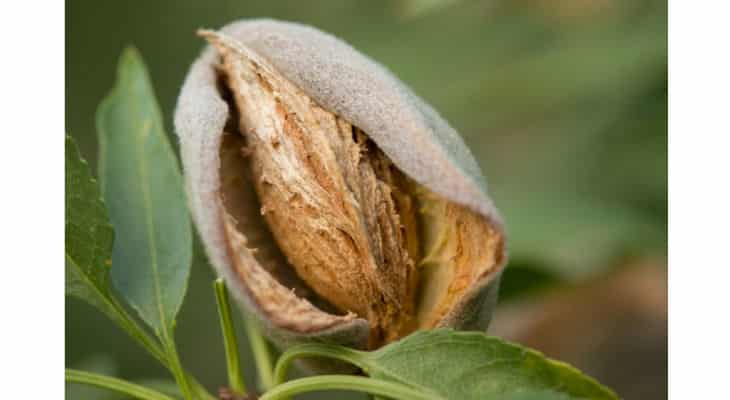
{"points": [[359, 233]]}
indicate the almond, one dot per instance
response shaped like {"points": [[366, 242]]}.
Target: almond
{"points": [[337, 204]]}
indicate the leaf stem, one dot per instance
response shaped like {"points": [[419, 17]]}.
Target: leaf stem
{"points": [[152, 345], [230, 343], [175, 366], [355, 357], [133, 329], [261, 355], [346, 382], [115, 384]]}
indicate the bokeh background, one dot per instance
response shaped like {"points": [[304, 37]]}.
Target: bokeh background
{"points": [[564, 104]]}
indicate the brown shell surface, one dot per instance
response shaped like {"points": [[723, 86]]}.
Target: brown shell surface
{"points": [[410, 133]]}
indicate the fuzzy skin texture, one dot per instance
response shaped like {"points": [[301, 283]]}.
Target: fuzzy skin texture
{"points": [[410, 132]]}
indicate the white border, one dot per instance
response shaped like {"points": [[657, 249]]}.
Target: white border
{"points": [[31, 199], [699, 199]]}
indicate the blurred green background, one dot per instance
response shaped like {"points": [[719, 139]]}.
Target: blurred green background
{"points": [[564, 105]]}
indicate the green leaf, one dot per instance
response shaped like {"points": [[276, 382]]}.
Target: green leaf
{"points": [[143, 189], [536, 394], [89, 236], [444, 363], [471, 365]]}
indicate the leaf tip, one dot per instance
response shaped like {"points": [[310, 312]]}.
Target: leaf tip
{"points": [[130, 54], [130, 64]]}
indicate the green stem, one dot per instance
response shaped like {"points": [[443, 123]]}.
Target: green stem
{"points": [[147, 341], [230, 343], [346, 382], [261, 355], [115, 311], [175, 366], [118, 385], [355, 357]]}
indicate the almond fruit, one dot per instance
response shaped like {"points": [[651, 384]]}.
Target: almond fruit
{"points": [[338, 206]]}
